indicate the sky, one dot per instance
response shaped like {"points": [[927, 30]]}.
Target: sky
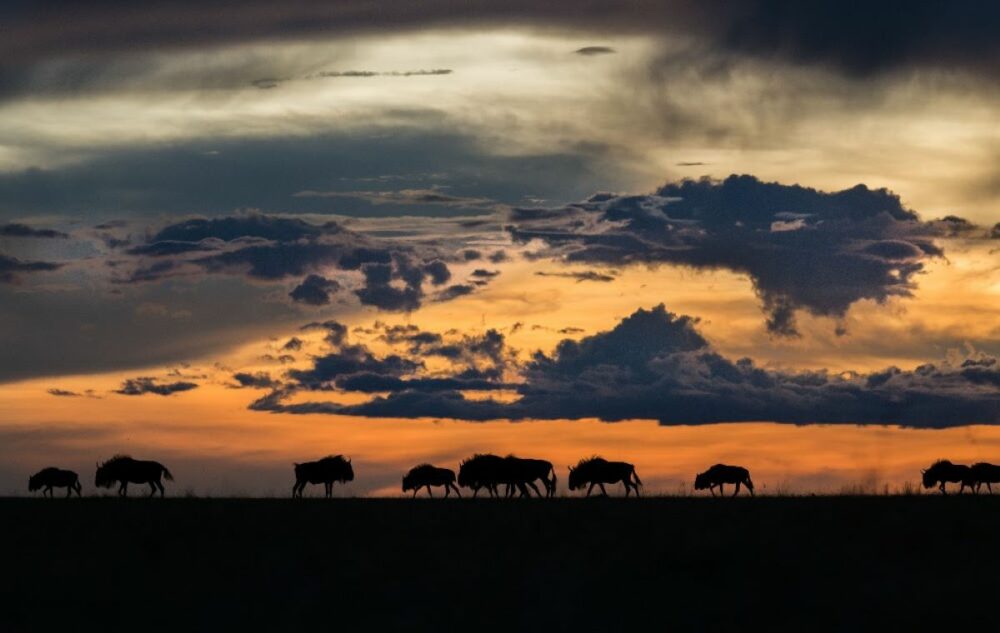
{"points": [[673, 233]]}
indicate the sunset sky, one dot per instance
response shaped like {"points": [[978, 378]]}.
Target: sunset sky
{"points": [[674, 233]]}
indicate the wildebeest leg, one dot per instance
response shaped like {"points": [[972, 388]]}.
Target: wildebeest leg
{"points": [[591, 489], [455, 488], [988, 487], [722, 490], [123, 490], [604, 491], [943, 491], [475, 491], [415, 491], [69, 491], [152, 491], [329, 489], [535, 488], [628, 487], [429, 493], [737, 491]]}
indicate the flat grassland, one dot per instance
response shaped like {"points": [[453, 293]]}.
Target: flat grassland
{"points": [[665, 564]]}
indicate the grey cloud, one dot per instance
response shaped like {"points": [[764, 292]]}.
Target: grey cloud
{"points": [[256, 380], [856, 40], [315, 290], [803, 249], [16, 229], [585, 275], [336, 333], [144, 384], [655, 365], [11, 268], [590, 51]]}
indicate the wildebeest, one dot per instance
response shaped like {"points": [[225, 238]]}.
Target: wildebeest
{"points": [[426, 475], [943, 471], [49, 478], [984, 473], [598, 471], [125, 470], [522, 472], [326, 471], [721, 474], [485, 470]]}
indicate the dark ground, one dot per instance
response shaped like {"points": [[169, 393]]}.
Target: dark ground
{"points": [[665, 564]]}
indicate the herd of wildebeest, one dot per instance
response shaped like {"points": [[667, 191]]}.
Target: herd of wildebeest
{"points": [[498, 476]]}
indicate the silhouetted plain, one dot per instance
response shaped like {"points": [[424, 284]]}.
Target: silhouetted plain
{"points": [[124, 470], [598, 471], [721, 474], [426, 476], [943, 471], [326, 471], [48, 478]]}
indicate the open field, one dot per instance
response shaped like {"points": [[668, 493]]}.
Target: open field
{"points": [[783, 563]]}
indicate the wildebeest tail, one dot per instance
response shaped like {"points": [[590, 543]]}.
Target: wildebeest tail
{"points": [[636, 475], [166, 473]]}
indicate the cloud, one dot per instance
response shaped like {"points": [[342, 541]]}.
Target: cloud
{"points": [[336, 333], [315, 290], [293, 344], [145, 384], [856, 40], [405, 197], [63, 393], [256, 380], [455, 291], [348, 360], [803, 249], [11, 267], [23, 230], [591, 51], [655, 365], [586, 275]]}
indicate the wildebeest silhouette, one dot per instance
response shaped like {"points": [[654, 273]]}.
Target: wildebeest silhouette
{"points": [[51, 477], [521, 472], [326, 471], [125, 470], [426, 475], [984, 473], [598, 471], [721, 474], [943, 471], [485, 470]]}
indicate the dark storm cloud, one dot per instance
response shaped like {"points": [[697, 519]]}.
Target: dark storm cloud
{"points": [[656, 365], [144, 384], [854, 39], [293, 344], [315, 290], [23, 230], [803, 249], [11, 268], [170, 247]]}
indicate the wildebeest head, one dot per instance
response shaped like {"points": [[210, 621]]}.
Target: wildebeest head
{"points": [[33, 483], [930, 480], [701, 481], [103, 478], [576, 478], [408, 483], [348, 474]]}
